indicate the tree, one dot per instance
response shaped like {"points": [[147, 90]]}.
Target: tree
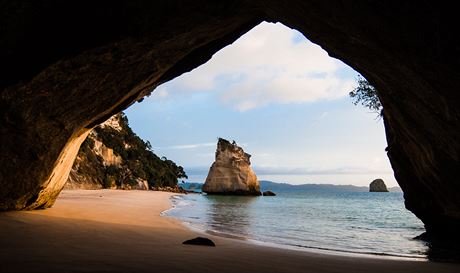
{"points": [[366, 95], [138, 158]]}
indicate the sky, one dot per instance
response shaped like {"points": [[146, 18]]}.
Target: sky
{"points": [[281, 98]]}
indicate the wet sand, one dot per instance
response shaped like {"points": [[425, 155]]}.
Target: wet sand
{"points": [[122, 231]]}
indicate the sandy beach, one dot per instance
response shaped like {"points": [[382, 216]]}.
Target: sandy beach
{"points": [[122, 231]]}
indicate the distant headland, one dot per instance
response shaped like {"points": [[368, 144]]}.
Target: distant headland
{"points": [[266, 185]]}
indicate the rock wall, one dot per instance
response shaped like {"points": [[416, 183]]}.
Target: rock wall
{"points": [[67, 67], [231, 172], [112, 156], [89, 170], [47, 194]]}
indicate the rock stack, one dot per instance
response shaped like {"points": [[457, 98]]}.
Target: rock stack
{"points": [[378, 186], [231, 172]]}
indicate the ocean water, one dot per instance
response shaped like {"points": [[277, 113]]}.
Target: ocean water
{"points": [[356, 222]]}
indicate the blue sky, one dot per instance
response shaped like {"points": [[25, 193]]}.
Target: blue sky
{"points": [[281, 98]]}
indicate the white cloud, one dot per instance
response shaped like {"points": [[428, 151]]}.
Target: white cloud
{"points": [[264, 66]]}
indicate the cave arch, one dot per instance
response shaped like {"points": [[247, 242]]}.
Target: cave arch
{"points": [[67, 66]]}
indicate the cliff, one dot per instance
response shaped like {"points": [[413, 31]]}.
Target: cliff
{"points": [[231, 172], [113, 156]]}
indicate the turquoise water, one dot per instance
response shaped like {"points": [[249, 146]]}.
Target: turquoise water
{"points": [[357, 222]]}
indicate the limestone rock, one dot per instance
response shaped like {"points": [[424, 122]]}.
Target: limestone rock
{"points": [[378, 186], [88, 171], [113, 122], [103, 160], [109, 158], [231, 172], [142, 184]]}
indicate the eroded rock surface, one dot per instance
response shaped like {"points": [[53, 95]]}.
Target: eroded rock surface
{"points": [[114, 157], [231, 172], [89, 169], [67, 67]]}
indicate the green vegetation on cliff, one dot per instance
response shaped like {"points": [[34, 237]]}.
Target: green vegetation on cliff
{"points": [[366, 95], [131, 162]]}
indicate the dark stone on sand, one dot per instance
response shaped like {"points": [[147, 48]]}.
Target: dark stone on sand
{"points": [[201, 241], [268, 193]]}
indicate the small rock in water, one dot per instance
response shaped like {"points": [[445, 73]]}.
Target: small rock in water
{"points": [[268, 193], [378, 186], [199, 241]]}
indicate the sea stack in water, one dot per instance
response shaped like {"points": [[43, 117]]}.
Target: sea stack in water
{"points": [[231, 172], [378, 186]]}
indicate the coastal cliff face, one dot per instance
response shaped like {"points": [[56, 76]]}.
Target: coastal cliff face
{"points": [[67, 67], [231, 172], [94, 157], [113, 157]]}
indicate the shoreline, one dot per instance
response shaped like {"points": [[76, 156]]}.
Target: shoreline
{"points": [[311, 250], [123, 231], [308, 249]]}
